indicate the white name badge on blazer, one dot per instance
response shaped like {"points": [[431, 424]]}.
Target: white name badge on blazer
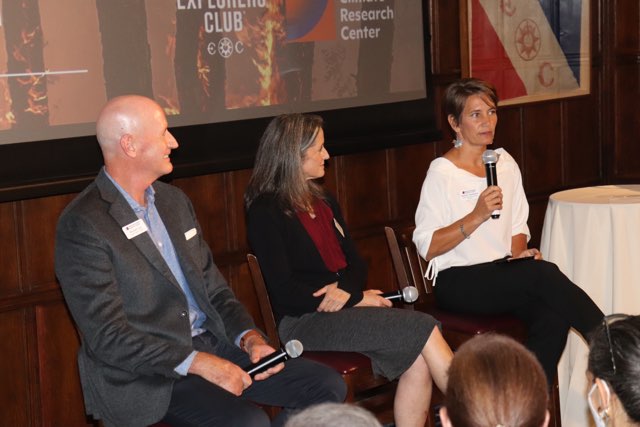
{"points": [[189, 234], [134, 229]]}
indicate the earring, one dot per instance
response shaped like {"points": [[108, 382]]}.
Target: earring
{"points": [[457, 143]]}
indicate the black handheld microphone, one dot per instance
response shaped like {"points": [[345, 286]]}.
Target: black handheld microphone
{"points": [[291, 350], [490, 158], [408, 294]]}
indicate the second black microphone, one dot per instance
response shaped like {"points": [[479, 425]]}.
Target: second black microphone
{"points": [[291, 350]]}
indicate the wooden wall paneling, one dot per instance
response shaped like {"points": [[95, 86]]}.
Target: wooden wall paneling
{"points": [[627, 17], [16, 371], [374, 250], [442, 146], [240, 282], [60, 391], [332, 172], [243, 288], [627, 120], [363, 189], [391, 183], [445, 36], [442, 121], [9, 273], [596, 36], [542, 157], [623, 57], [509, 134], [37, 239], [234, 192], [606, 37], [407, 169], [537, 210], [582, 128], [239, 181]]}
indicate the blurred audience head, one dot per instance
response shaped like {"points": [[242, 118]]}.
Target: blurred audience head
{"points": [[494, 381], [614, 367], [334, 415]]}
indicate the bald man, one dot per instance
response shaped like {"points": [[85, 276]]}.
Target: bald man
{"points": [[163, 337]]}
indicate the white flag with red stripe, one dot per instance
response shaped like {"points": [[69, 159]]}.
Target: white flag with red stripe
{"points": [[530, 49]]}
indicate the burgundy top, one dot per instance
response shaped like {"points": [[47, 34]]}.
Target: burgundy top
{"points": [[323, 233]]}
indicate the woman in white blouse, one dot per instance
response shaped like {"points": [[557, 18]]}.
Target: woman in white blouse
{"points": [[482, 264]]}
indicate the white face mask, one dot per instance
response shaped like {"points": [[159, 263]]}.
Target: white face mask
{"points": [[601, 418]]}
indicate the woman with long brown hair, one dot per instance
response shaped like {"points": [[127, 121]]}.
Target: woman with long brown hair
{"points": [[316, 278]]}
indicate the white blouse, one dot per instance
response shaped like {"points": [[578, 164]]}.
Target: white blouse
{"points": [[449, 193]]}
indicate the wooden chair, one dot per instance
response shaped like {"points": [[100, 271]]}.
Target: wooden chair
{"points": [[410, 269], [363, 387]]}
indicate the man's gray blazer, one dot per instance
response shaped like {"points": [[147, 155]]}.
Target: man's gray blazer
{"points": [[130, 311]]}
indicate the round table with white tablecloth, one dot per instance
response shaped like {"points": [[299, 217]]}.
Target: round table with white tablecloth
{"points": [[593, 235]]}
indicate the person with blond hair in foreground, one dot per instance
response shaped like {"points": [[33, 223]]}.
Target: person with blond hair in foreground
{"points": [[494, 381]]}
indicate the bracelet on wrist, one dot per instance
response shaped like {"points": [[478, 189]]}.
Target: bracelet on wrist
{"points": [[466, 236]]}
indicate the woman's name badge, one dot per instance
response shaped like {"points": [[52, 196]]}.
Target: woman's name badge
{"points": [[135, 229], [335, 222], [469, 194]]}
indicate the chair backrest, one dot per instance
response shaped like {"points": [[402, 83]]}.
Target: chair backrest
{"points": [[263, 300], [409, 266]]}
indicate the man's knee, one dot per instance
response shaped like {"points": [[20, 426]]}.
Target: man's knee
{"points": [[248, 415], [338, 387], [330, 386], [240, 413]]}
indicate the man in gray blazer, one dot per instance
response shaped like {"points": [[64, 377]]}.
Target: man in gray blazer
{"points": [[163, 337]]}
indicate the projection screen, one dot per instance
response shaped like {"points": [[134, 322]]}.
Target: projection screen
{"points": [[219, 68]]}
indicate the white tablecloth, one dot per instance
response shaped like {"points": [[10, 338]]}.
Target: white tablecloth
{"points": [[593, 235]]}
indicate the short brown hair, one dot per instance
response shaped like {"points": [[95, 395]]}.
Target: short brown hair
{"points": [[457, 93], [494, 380]]}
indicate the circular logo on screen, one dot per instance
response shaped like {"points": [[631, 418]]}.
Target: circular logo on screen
{"points": [[225, 47]]}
